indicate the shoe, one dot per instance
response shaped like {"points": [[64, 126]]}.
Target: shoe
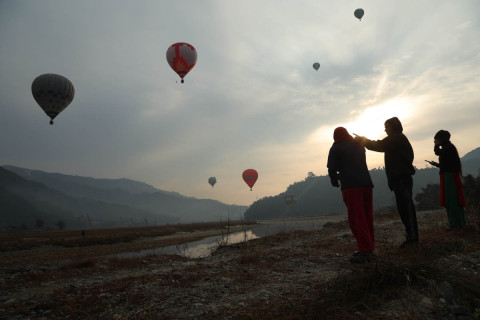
{"points": [[408, 244], [361, 257]]}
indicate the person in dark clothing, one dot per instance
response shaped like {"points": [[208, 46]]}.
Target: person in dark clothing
{"points": [[399, 169], [347, 163], [451, 189]]}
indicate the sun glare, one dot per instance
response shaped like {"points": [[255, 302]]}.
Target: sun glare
{"points": [[370, 122]]}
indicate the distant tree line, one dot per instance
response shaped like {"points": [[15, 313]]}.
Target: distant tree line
{"points": [[429, 198], [315, 195]]}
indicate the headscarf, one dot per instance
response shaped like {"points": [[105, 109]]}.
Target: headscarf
{"points": [[341, 134]]}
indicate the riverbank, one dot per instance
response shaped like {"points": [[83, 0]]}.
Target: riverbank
{"points": [[289, 275]]}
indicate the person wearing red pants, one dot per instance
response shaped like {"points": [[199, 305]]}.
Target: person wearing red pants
{"points": [[347, 163]]}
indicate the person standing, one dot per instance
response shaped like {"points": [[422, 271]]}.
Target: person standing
{"points": [[451, 188], [347, 163], [399, 169]]}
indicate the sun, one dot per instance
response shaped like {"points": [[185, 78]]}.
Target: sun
{"points": [[370, 122]]}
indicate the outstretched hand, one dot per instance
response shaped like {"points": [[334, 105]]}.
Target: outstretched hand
{"points": [[359, 138], [433, 163]]}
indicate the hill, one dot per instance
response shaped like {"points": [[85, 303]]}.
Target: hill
{"points": [[471, 155], [32, 196], [470, 163], [84, 186], [82, 202], [315, 195], [30, 203], [134, 194]]}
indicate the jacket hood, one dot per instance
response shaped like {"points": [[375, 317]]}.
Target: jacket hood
{"points": [[395, 124], [341, 134]]}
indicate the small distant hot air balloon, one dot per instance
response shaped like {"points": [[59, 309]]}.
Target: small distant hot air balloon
{"points": [[250, 176], [53, 93], [316, 66], [212, 181], [291, 200], [359, 14], [181, 57]]}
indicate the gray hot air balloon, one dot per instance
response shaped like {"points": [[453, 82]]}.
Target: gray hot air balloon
{"points": [[359, 13], [53, 93], [212, 181], [316, 65]]}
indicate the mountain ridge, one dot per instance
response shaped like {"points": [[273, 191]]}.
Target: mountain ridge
{"points": [[50, 204], [88, 202], [129, 185], [315, 196], [473, 154]]}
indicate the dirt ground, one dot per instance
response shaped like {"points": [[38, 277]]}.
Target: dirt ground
{"points": [[294, 275]]}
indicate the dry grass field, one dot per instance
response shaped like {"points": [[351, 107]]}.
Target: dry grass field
{"points": [[289, 275], [43, 246]]}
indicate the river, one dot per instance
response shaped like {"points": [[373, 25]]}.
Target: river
{"points": [[204, 247]]}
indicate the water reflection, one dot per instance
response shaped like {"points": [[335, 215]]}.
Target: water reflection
{"points": [[196, 249], [205, 247]]}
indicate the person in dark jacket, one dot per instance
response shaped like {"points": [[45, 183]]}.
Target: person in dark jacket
{"points": [[399, 169], [451, 189], [347, 163]]}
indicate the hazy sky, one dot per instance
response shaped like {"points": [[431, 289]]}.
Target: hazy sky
{"points": [[252, 101]]}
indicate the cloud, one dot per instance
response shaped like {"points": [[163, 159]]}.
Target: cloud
{"points": [[252, 100]]}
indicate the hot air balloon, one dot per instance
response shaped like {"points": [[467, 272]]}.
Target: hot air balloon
{"points": [[212, 181], [250, 177], [359, 13], [291, 200], [53, 93], [316, 65], [181, 57]]}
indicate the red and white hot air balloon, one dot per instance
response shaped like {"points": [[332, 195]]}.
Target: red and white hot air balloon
{"points": [[181, 57]]}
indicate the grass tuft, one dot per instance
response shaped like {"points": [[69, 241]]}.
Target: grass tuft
{"points": [[88, 263]]}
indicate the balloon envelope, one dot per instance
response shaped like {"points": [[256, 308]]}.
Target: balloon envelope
{"points": [[316, 65], [53, 93], [250, 176], [212, 181], [359, 13], [181, 57]]}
